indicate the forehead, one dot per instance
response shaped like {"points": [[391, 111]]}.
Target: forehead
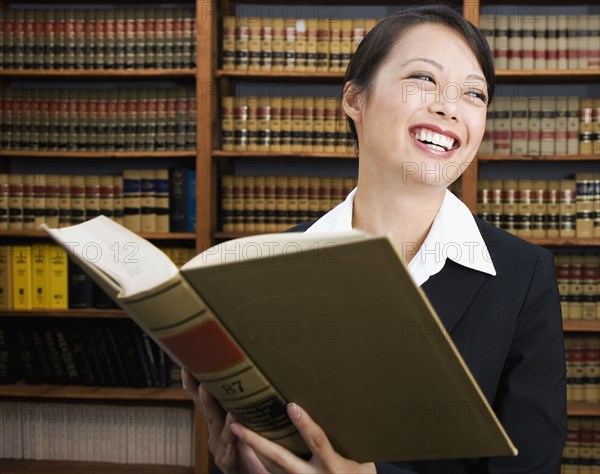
{"points": [[439, 43]]}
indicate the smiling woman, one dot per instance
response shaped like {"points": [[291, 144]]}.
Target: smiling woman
{"points": [[416, 96]]}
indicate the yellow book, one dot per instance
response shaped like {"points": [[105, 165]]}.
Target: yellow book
{"points": [[21, 276], [58, 277], [39, 277], [5, 277]]}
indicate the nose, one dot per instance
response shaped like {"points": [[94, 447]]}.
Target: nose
{"points": [[445, 105]]}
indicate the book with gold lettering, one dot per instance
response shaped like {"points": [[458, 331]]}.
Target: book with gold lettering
{"points": [[331, 321]]}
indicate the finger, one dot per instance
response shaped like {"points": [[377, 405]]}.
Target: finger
{"points": [[274, 457], [313, 434], [190, 385], [213, 413]]}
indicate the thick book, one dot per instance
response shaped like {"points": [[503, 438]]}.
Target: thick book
{"points": [[333, 322]]}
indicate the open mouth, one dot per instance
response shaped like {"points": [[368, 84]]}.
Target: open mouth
{"points": [[435, 140]]}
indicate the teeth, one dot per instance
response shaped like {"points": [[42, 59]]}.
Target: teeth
{"points": [[443, 142]]}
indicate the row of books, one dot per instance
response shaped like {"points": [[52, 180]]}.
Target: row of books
{"points": [[327, 44], [543, 41], [543, 208], [97, 38], [93, 352], [276, 203], [286, 124], [545, 125], [35, 276], [77, 119], [291, 44], [583, 368], [578, 277], [144, 200], [97, 432], [581, 454]]}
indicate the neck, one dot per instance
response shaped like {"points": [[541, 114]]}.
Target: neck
{"points": [[406, 212]]}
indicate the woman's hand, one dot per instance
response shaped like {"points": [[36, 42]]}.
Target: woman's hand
{"points": [[278, 459], [231, 455]]}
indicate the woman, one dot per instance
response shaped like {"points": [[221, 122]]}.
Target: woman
{"points": [[416, 96]]}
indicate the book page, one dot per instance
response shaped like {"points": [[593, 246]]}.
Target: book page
{"points": [[267, 246], [130, 261]]}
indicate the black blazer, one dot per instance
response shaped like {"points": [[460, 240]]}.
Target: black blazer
{"points": [[508, 329]]}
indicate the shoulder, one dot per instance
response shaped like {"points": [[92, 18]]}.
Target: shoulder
{"points": [[513, 257], [301, 227]]}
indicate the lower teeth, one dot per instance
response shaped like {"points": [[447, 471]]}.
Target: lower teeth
{"points": [[435, 147]]}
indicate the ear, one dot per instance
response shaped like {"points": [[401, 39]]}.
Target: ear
{"points": [[352, 102]]}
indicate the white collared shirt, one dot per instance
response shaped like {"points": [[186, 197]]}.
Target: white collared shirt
{"points": [[453, 234]]}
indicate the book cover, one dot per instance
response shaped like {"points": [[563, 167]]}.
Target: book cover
{"points": [[315, 289]]}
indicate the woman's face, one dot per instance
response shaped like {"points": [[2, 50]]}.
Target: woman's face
{"points": [[424, 116]]}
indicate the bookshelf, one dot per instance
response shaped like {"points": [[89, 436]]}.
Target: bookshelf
{"points": [[210, 82], [105, 78]]}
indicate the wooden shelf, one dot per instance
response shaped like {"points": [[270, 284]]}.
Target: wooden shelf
{"points": [[337, 76], [570, 325], [583, 408], [97, 73], [30, 466], [98, 154], [551, 242], [570, 75], [333, 76], [81, 392], [66, 313], [38, 234], [486, 158], [277, 154]]}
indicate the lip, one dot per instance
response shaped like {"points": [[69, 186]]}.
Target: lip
{"points": [[436, 129]]}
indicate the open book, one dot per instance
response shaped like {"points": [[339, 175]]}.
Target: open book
{"points": [[332, 322]]}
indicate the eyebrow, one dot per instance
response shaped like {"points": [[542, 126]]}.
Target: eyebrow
{"points": [[441, 68]]}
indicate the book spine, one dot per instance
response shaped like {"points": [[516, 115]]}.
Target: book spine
{"points": [[501, 42], [191, 201], [6, 281], [147, 200], [515, 42], [131, 200], [57, 277], [161, 204], [78, 199], [40, 277], [220, 365], [21, 276]]}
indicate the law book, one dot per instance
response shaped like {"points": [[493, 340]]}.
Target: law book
{"points": [[6, 296], [312, 291], [4, 199], [21, 276], [228, 43], [40, 295], [274, 44], [501, 42]]}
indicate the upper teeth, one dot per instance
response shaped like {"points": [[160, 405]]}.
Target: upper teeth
{"points": [[435, 138]]}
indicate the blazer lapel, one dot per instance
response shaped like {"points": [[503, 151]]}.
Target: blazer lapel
{"points": [[451, 291]]}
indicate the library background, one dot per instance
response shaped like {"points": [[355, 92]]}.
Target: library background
{"points": [[197, 121]]}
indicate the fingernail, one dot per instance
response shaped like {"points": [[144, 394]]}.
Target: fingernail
{"points": [[293, 411]]}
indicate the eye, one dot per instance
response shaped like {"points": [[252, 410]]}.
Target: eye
{"points": [[477, 95], [423, 76]]}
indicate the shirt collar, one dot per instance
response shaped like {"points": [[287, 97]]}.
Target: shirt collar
{"points": [[453, 234]]}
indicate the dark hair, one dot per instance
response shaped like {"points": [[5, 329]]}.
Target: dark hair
{"points": [[377, 44]]}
